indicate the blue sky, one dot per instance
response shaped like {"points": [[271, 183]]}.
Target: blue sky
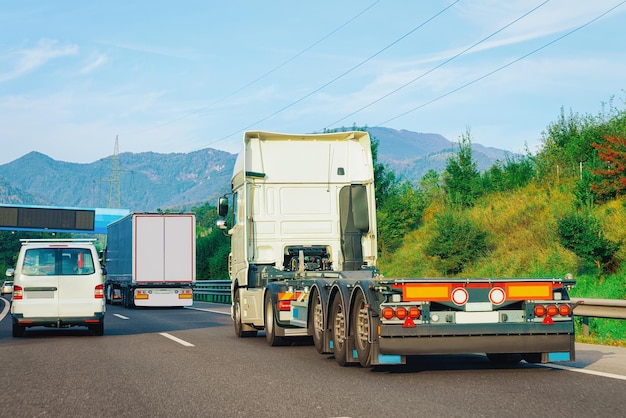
{"points": [[181, 76]]}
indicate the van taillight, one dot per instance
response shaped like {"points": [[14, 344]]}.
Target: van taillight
{"points": [[99, 292], [18, 293]]}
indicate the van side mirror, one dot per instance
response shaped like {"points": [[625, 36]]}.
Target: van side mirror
{"points": [[222, 206]]}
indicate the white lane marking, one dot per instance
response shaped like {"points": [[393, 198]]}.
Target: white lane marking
{"points": [[120, 316], [208, 310], [5, 310], [178, 340], [586, 371]]}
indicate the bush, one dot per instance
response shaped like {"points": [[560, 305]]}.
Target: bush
{"points": [[457, 242], [583, 235]]}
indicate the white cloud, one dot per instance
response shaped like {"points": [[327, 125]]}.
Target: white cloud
{"points": [[27, 60], [95, 61]]}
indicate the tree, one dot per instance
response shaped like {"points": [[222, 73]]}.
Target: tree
{"points": [[461, 177], [612, 179]]}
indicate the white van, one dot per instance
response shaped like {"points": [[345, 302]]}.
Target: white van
{"points": [[57, 283]]}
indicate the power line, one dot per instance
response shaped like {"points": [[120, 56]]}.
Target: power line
{"points": [[264, 75], [440, 65], [503, 66], [339, 76]]}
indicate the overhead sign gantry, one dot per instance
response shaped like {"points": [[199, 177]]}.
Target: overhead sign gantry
{"points": [[58, 218]]}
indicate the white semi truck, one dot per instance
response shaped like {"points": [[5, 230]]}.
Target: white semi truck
{"points": [[303, 264], [151, 260]]}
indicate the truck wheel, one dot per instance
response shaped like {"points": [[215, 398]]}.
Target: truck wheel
{"points": [[108, 295], [361, 323], [239, 332], [316, 322], [18, 330], [338, 328], [270, 324]]}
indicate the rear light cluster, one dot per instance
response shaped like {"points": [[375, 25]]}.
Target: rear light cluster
{"points": [[185, 294], [401, 312], [18, 293], [552, 310], [99, 292]]}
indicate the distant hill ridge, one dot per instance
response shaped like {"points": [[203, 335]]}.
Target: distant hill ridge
{"points": [[149, 181]]}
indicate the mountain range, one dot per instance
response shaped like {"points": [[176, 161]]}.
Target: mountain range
{"points": [[151, 181]]}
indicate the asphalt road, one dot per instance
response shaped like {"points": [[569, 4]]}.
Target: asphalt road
{"points": [[187, 362]]}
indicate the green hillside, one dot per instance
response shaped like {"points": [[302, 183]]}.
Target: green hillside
{"points": [[558, 212]]}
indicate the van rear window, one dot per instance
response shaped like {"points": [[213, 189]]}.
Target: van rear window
{"points": [[58, 262]]}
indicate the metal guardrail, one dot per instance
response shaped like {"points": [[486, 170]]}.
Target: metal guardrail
{"points": [[217, 291], [598, 308]]}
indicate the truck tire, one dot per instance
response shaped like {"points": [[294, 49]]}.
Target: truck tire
{"points": [[270, 324], [361, 324], [338, 327], [108, 295], [316, 322], [239, 332]]}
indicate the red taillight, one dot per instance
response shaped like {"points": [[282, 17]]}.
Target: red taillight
{"points": [[565, 310], [401, 312], [284, 305], [387, 313], [99, 292], [18, 293], [414, 312], [552, 310], [540, 310]]}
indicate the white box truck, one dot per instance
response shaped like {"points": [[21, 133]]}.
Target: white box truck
{"points": [[151, 260]]}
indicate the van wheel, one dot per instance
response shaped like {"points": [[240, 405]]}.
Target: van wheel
{"points": [[18, 330], [98, 329]]}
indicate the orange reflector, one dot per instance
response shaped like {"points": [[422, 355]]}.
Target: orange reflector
{"points": [[284, 305], [525, 291], [426, 292], [141, 296], [289, 295], [185, 296]]}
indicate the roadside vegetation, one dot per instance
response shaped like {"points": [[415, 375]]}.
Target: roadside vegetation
{"points": [[559, 211]]}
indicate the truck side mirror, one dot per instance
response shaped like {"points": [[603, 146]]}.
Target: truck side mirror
{"points": [[10, 272], [222, 206]]}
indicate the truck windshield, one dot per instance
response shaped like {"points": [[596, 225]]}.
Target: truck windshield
{"points": [[58, 261]]}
